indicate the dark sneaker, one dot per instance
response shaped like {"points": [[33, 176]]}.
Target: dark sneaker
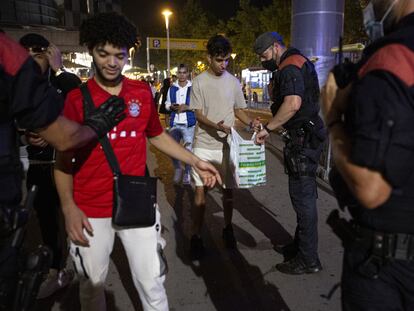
{"points": [[298, 266], [196, 247], [289, 251], [228, 237]]}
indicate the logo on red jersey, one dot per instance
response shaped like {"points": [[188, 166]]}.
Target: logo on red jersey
{"points": [[134, 108]]}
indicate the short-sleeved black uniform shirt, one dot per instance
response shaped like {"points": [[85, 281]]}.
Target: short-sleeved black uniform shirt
{"points": [[297, 76], [380, 122]]}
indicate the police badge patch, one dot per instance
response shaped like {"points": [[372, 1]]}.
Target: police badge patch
{"points": [[134, 108]]}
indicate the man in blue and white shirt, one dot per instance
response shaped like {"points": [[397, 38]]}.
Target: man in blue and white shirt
{"points": [[182, 119]]}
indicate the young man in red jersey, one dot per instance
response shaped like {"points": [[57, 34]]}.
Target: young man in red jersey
{"points": [[84, 178]]}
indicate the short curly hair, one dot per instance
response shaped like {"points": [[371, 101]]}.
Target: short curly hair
{"points": [[218, 45], [105, 28]]}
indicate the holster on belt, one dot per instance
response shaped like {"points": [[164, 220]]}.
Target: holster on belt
{"points": [[382, 247]]}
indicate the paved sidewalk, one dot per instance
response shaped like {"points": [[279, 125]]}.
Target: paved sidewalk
{"points": [[243, 279]]}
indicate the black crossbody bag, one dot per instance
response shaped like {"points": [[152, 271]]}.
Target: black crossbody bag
{"points": [[134, 197]]}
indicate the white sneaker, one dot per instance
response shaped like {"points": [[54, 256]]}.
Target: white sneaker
{"points": [[54, 281], [187, 178], [177, 175]]}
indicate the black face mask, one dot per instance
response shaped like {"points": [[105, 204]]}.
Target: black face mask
{"points": [[270, 65]]}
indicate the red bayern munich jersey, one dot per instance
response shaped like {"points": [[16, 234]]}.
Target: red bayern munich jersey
{"points": [[92, 175]]}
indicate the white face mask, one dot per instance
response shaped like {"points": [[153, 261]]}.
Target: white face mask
{"points": [[374, 28]]}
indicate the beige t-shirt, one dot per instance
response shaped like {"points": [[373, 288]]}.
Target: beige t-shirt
{"points": [[216, 97]]}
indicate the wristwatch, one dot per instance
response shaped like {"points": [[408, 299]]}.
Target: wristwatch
{"points": [[59, 71]]}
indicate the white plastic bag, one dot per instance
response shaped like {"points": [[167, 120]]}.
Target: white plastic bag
{"points": [[247, 161]]}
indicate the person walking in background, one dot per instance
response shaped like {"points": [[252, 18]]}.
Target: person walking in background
{"points": [[41, 160], [216, 98], [182, 119], [370, 122], [164, 91], [296, 109]]}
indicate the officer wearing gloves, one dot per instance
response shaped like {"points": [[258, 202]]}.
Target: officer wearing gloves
{"points": [[26, 99], [295, 112], [371, 128]]}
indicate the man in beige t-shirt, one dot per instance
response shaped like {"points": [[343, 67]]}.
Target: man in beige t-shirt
{"points": [[216, 98]]}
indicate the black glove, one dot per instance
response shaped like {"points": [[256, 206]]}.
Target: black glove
{"points": [[106, 116]]}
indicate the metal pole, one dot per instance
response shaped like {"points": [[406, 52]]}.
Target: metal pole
{"points": [[148, 56], [168, 46]]}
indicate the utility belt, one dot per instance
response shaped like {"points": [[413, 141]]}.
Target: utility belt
{"points": [[296, 164], [382, 247], [41, 162], [301, 144]]}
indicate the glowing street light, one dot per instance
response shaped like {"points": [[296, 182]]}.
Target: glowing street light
{"points": [[233, 56], [167, 14], [131, 52]]}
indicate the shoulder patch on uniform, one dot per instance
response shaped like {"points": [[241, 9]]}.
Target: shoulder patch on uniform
{"points": [[12, 55], [296, 60], [394, 58]]}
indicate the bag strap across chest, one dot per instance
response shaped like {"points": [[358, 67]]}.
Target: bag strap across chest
{"points": [[88, 107]]}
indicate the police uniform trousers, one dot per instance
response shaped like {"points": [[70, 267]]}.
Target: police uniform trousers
{"points": [[303, 194], [393, 290], [47, 207]]}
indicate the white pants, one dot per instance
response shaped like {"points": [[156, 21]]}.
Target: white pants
{"points": [[143, 247]]}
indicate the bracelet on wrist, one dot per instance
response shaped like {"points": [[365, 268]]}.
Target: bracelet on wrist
{"points": [[266, 128]]}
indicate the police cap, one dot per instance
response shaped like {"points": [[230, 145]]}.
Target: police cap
{"points": [[34, 40], [265, 40]]}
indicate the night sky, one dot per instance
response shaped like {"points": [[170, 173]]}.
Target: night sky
{"points": [[147, 14]]}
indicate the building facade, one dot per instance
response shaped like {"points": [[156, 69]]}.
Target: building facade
{"points": [[29, 12], [75, 11], [67, 14]]}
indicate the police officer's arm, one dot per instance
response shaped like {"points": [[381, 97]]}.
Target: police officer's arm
{"points": [[368, 186], [75, 219], [33, 103], [36, 106], [64, 134], [292, 90], [166, 144], [291, 104]]}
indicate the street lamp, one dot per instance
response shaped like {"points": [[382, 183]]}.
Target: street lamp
{"points": [[167, 14], [233, 56], [131, 56]]}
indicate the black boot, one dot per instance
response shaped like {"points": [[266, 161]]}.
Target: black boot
{"points": [[298, 266]]}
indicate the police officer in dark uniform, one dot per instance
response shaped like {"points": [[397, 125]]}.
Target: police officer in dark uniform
{"points": [[371, 128], [295, 112], [41, 162], [27, 101]]}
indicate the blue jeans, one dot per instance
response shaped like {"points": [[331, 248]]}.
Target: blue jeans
{"points": [[183, 132]]}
